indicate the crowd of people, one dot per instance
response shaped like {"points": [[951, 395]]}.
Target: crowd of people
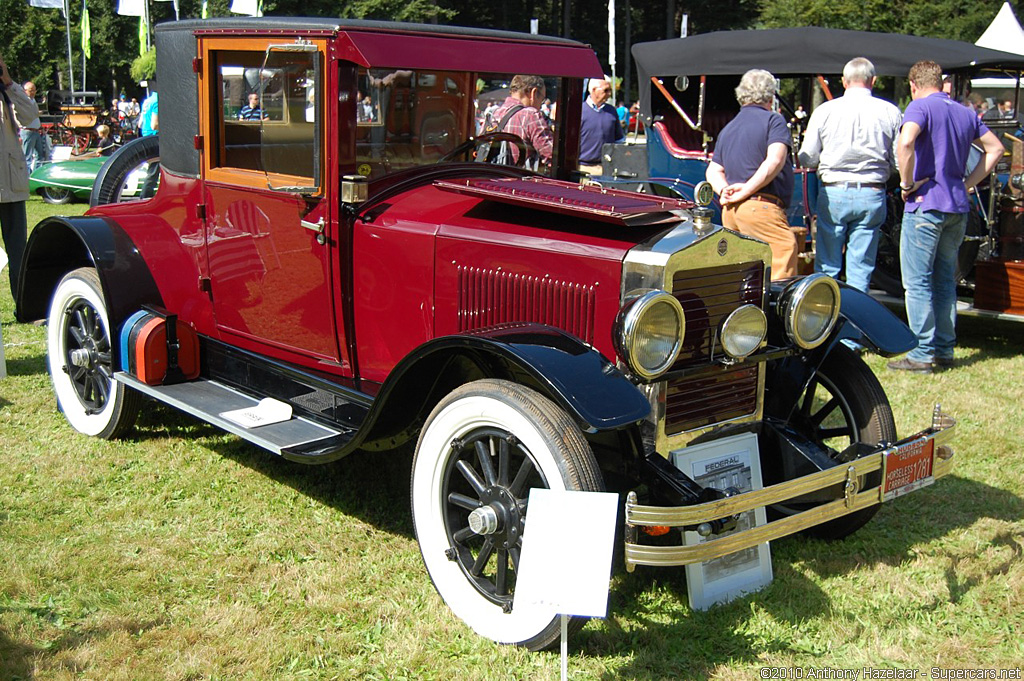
{"points": [[855, 142]]}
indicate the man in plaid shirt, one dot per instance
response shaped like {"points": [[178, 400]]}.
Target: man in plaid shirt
{"points": [[528, 123]]}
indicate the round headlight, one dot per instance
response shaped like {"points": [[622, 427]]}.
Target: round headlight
{"points": [[809, 309], [743, 331], [651, 333]]}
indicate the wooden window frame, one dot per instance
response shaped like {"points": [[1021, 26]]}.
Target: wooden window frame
{"points": [[210, 115]]}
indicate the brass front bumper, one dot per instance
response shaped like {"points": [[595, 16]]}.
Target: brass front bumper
{"points": [[847, 475]]}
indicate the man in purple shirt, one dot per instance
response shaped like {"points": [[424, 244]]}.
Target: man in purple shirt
{"points": [[932, 150]]}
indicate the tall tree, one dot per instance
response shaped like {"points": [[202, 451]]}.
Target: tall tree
{"points": [[932, 18]]}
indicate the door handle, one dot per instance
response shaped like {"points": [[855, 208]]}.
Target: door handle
{"points": [[317, 226]]}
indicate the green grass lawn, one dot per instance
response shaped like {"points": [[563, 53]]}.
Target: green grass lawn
{"points": [[185, 553]]}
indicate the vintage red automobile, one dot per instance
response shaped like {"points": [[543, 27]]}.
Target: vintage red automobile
{"points": [[359, 272]]}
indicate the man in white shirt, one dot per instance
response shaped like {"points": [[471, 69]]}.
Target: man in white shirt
{"points": [[851, 141]]}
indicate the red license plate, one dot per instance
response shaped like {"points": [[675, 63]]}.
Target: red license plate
{"points": [[907, 468]]}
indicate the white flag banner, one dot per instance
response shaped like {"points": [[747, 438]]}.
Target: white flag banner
{"points": [[250, 7], [131, 8], [611, 32], [47, 4]]}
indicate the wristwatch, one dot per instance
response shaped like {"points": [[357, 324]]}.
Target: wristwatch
{"points": [[906, 187]]}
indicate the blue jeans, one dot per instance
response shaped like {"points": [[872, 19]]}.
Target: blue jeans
{"points": [[35, 148], [851, 217], [928, 248]]}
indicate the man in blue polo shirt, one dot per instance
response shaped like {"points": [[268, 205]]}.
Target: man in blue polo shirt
{"points": [[599, 124], [932, 149], [752, 174]]}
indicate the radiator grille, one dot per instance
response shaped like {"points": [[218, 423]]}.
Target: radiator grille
{"points": [[719, 394], [489, 297]]}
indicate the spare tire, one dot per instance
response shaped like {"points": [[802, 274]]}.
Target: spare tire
{"points": [[110, 181]]}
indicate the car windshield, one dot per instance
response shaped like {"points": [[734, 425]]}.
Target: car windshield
{"points": [[411, 117]]}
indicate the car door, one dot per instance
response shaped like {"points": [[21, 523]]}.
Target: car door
{"points": [[268, 220]]}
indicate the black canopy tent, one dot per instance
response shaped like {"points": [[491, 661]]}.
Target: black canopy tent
{"points": [[806, 51]]}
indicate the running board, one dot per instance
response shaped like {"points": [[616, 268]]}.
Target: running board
{"points": [[298, 438]]}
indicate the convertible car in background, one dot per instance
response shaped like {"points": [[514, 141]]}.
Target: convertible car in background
{"points": [[61, 182]]}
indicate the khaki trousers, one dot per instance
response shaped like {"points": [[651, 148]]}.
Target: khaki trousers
{"points": [[767, 222]]}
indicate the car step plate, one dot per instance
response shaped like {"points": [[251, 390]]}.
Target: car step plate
{"points": [[208, 399]]}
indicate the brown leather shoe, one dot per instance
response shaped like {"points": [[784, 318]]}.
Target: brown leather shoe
{"points": [[907, 364]]}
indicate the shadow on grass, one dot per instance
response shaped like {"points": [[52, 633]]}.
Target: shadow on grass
{"points": [[892, 537], [664, 639], [371, 486], [27, 366], [17, 660], [992, 338], [651, 625]]}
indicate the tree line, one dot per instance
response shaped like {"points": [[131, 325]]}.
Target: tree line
{"points": [[35, 44]]}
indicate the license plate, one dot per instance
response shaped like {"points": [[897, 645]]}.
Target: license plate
{"points": [[907, 468]]}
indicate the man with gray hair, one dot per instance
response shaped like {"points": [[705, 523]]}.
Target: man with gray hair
{"points": [[599, 124], [752, 174], [851, 140]]}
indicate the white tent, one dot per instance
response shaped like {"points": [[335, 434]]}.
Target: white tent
{"points": [[1004, 33]]}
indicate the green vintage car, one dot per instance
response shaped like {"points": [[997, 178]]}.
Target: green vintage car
{"points": [[123, 175], [62, 181]]}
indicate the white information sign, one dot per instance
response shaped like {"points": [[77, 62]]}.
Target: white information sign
{"points": [[729, 462], [566, 559]]}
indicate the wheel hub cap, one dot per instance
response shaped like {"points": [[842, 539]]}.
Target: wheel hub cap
{"points": [[82, 358], [484, 520]]}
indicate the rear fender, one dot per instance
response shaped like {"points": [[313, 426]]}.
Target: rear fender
{"points": [[59, 245], [570, 373]]}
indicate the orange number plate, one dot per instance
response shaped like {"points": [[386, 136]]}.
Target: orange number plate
{"points": [[907, 468]]}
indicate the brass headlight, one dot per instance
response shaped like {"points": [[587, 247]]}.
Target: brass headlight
{"points": [[809, 309], [743, 331], [650, 333]]}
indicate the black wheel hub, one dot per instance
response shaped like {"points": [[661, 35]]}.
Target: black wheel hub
{"points": [[87, 358], [487, 479]]}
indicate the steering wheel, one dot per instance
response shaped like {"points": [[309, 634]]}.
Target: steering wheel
{"points": [[489, 137]]}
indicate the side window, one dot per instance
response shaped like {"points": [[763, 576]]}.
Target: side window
{"points": [[407, 117], [265, 114], [290, 79], [238, 110]]}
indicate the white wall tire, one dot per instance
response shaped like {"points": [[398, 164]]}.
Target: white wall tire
{"points": [[79, 359], [546, 448]]}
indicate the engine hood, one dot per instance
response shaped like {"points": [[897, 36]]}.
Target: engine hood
{"points": [[627, 209]]}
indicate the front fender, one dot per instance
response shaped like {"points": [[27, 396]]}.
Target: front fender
{"points": [[61, 244], [872, 324], [572, 374], [862, 320]]}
